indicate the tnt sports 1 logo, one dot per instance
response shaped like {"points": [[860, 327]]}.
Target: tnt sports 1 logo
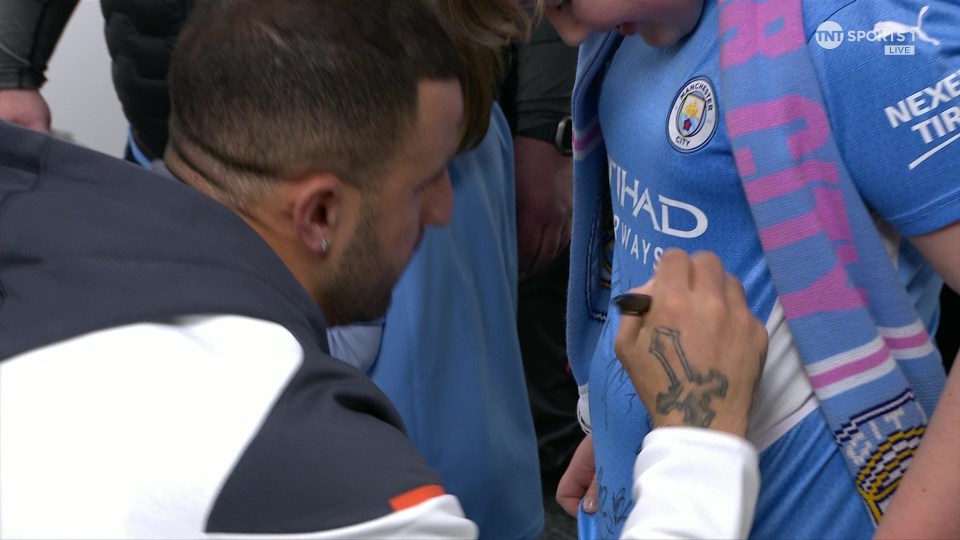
{"points": [[830, 35], [898, 38]]}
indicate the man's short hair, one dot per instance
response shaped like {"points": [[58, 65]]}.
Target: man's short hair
{"points": [[269, 89]]}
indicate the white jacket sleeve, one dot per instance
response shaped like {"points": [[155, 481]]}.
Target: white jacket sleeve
{"points": [[693, 483]]}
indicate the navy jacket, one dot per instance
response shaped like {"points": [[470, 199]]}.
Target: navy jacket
{"points": [[88, 242]]}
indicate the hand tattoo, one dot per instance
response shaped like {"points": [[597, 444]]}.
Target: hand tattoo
{"points": [[692, 395]]}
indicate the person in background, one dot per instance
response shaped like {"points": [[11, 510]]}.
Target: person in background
{"points": [[449, 357], [29, 31], [536, 101]]}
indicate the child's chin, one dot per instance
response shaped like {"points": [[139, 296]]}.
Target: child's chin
{"points": [[628, 29]]}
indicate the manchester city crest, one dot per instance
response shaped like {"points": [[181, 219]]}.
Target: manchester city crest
{"points": [[693, 118]]}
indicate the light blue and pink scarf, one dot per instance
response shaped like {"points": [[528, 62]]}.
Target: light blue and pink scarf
{"points": [[864, 348]]}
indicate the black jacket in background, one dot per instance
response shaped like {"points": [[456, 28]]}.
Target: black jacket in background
{"points": [[140, 36]]}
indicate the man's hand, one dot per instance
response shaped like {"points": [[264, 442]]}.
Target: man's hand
{"points": [[544, 203], [579, 482], [25, 108], [696, 357]]}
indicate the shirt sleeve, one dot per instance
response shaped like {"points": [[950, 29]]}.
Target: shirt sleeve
{"points": [[892, 90], [29, 31], [693, 483]]}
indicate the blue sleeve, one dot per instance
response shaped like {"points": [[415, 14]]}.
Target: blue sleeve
{"points": [[892, 89]]}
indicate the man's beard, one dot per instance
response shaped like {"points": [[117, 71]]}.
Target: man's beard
{"points": [[360, 288]]}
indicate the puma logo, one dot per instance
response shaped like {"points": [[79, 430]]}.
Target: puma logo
{"points": [[887, 28]]}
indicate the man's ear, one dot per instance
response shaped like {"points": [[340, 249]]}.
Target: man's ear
{"points": [[321, 202]]}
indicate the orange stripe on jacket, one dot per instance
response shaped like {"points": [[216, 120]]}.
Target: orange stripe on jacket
{"points": [[416, 496]]}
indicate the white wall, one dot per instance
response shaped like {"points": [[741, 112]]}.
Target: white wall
{"points": [[79, 89]]}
